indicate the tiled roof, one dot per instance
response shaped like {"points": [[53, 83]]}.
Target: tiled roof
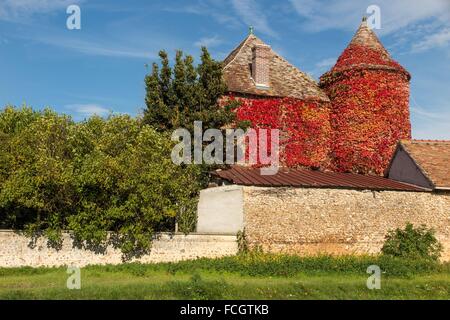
{"points": [[364, 36], [309, 178], [285, 79], [433, 159]]}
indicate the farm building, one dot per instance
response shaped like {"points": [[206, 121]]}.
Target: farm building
{"points": [[350, 171], [350, 122]]}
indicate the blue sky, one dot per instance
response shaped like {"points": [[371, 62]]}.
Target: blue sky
{"points": [[101, 67]]}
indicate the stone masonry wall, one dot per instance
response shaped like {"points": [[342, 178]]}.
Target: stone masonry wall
{"points": [[15, 250], [337, 221]]}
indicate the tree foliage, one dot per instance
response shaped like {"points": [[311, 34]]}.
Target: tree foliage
{"points": [[178, 96], [90, 177]]}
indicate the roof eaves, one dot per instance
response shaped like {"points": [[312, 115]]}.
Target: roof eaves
{"points": [[442, 188]]}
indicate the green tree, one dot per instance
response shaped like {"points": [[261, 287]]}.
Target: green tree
{"points": [[176, 98], [12, 122], [93, 177]]}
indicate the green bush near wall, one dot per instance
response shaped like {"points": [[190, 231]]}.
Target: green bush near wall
{"points": [[91, 177], [412, 243]]}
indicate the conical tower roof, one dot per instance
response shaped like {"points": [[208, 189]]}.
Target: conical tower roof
{"points": [[365, 51], [364, 36]]}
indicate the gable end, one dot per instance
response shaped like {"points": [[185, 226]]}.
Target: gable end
{"points": [[403, 168]]}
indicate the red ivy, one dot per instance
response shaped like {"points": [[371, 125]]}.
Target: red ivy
{"points": [[358, 132], [358, 54], [370, 111], [304, 127]]}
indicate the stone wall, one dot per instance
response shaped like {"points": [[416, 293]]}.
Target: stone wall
{"points": [[338, 221], [15, 250]]}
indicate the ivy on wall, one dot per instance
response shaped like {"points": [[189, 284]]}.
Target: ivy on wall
{"points": [[370, 109], [304, 127]]}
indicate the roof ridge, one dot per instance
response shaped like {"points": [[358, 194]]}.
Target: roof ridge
{"points": [[307, 178], [235, 52], [424, 140]]}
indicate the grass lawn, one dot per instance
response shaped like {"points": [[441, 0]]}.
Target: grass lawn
{"points": [[254, 277]]}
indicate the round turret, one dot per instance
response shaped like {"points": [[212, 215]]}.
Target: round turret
{"points": [[369, 94]]}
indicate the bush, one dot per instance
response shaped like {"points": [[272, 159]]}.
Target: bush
{"points": [[412, 243], [91, 177]]}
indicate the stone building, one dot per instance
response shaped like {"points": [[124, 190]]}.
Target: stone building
{"points": [[301, 211], [350, 122], [342, 187], [275, 94], [369, 93], [330, 196]]}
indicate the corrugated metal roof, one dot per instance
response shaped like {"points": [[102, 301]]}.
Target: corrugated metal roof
{"points": [[288, 177]]}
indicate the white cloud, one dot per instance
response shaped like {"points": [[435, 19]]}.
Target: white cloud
{"points": [[417, 21], [18, 10], [251, 14], [122, 39], [439, 39], [434, 130], [345, 14], [209, 42], [432, 122], [217, 9], [326, 63], [246, 12], [420, 112], [98, 48], [87, 110]]}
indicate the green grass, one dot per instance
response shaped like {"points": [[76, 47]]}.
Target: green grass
{"points": [[259, 276]]}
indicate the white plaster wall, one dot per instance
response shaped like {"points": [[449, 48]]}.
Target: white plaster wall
{"points": [[220, 210]]}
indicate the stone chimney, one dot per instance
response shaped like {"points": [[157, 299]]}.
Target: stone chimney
{"points": [[260, 65]]}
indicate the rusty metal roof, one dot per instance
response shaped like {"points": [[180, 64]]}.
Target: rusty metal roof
{"points": [[288, 177]]}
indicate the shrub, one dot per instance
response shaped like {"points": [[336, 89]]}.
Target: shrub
{"points": [[242, 242], [412, 243], [91, 177]]}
